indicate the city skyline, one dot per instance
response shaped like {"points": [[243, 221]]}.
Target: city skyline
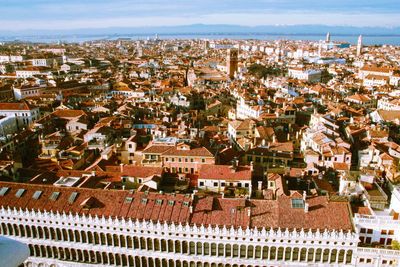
{"points": [[51, 15]]}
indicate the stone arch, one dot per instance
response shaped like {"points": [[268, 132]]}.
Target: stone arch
{"points": [[43, 251], [221, 250], [111, 259], [28, 231], [129, 241], [184, 247], [143, 243], [295, 254], [137, 261], [199, 248], [272, 253], [265, 252], [71, 235], [16, 230], [325, 256], [117, 259], [31, 250], [144, 262], [90, 238], [334, 255], [243, 251], [170, 245], [131, 260], [49, 252], [318, 255], [288, 253], [9, 229], [213, 249], [303, 254], [96, 238], [83, 237], [349, 256], [310, 255], [235, 250], [177, 246], [341, 256], [74, 255], [135, 242], [163, 245], [104, 257], [228, 250], [21, 230], [103, 239], [77, 236], [3, 229], [281, 253], [86, 257], [124, 260], [250, 251], [40, 231]]}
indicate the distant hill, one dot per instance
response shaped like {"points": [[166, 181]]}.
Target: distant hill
{"points": [[216, 29]]}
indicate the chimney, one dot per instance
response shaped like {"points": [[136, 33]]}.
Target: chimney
{"points": [[259, 186], [263, 142], [93, 173], [191, 209], [249, 212], [194, 193], [288, 136], [251, 166], [273, 139], [121, 168], [304, 195], [305, 207]]}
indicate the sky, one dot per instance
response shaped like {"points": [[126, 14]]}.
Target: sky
{"points": [[76, 14]]}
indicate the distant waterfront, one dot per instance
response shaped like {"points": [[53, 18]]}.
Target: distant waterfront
{"points": [[352, 39]]}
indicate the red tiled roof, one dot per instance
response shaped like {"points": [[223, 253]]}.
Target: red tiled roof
{"points": [[14, 106], [141, 171], [224, 172], [322, 213]]}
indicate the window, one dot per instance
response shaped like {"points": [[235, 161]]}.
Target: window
{"points": [[203, 160], [363, 230], [297, 203], [383, 232], [249, 158], [37, 194], [179, 159], [239, 184], [20, 192], [128, 200], [191, 160], [173, 159], [215, 184], [201, 183], [144, 201], [222, 184], [171, 202], [166, 159], [54, 196], [246, 185], [3, 191], [369, 231], [186, 160], [72, 197], [391, 232], [186, 204]]}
